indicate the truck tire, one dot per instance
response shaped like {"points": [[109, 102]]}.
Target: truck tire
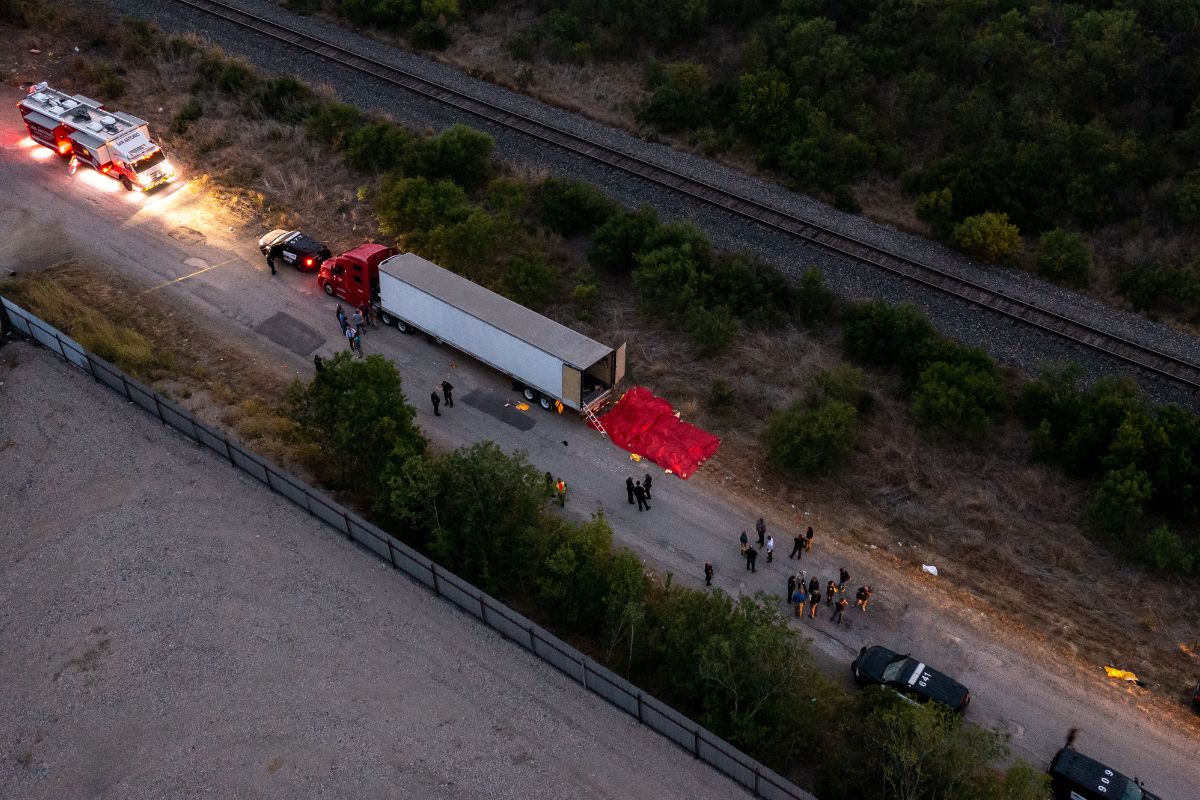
{"points": [[388, 319], [128, 184], [328, 289], [529, 394], [545, 402]]}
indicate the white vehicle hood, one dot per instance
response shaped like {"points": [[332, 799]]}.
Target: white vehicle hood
{"points": [[133, 146]]}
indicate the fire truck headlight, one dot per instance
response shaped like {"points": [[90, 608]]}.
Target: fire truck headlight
{"points": [[168, 169]]}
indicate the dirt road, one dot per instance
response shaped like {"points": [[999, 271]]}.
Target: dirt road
{"points": [[177, 245]]}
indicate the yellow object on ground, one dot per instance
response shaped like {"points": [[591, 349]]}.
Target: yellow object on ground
{"points": [[634, 457], [522, 406], [1122, 674]]}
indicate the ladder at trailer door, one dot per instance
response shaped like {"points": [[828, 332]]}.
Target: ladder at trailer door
{"points": [[591, 417]]}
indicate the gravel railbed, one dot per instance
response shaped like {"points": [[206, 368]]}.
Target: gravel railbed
{"points": [[1011, 343], [170, 628]]}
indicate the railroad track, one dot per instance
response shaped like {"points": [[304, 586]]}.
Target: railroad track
{"points": [[1143, 357]]}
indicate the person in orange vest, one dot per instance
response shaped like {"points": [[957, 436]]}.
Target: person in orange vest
{"points": [[561, 489]]}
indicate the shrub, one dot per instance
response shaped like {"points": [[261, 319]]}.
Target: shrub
{"points": [[844, 200], [468, 246], [571, 208], [843, 383], [191, 111], [507, 196], [429, 35], [711, 330], [462, 154], [665, 279], [988, 237], [752, 291], [408, 205], [379, 147], [1064, 257], [616, 243], [959, 398], [283, 99], [815, 304], [585, 296], [1118, 501], [1150, 286], [1167, 551], [721, 396], [876, 333], [110, 81], [530, 281], [679, 100], [330, 123], [805, 440], [227, 75], [936, 209]]}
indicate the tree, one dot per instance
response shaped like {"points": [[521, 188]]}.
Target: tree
{"points": [[814, 302], [1063, 256], [843, 383], [711, 330], [1167, 551], [876, 333], [936, 209], [666, 279], [477, 508], [530, 280], [805, 440], [679, 100], [356, 412], [988, 237], [1118, 501]]}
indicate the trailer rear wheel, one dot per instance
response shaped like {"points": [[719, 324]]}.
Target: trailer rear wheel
{"points": [[529, 394], [545, 402], [388, 319], [128, 184], [328, 289]]}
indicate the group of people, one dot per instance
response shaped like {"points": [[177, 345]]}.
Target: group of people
{"points": [[639, 492], [802, 592], [447, 397], [352, 327]]}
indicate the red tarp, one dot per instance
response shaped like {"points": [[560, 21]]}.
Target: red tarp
{"points": [[644, 424]]}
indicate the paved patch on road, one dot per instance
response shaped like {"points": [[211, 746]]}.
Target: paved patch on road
{"points": [[287, 331], [494, 406]]}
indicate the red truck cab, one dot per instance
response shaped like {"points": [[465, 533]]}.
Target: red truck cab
{"points": [[354, 275]]}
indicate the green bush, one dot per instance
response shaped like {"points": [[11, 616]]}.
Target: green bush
{"points": [[507, 196], [1119, 502], [468, 246], [191, 111], [110, 81], [356, 412], [462, 154], [331, 123], [936, 209], [1167, 551], [679, 98], [711, 330], [416, 205], [815, 304], [585, 296], [378, 147], [721, 396], [429, 35], [666, 279], [284, 99], [805, 441], [1064, 257], [883, 335], [1156, 286], [531, 281], [844, 384], [988, 237], [229, 76], [845, 200], [958, 397], [617, 243], [571, 208]]}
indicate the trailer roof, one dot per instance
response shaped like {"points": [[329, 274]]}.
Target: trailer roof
{"points": [[88, 117], [572, 347]]}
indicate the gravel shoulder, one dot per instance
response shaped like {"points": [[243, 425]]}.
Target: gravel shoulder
{"points": [[170, 628]]}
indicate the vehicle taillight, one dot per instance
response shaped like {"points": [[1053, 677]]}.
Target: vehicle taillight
{"points": [[308, 262], [64, 148]]}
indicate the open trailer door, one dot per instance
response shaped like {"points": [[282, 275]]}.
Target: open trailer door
{"points": [[619, 365]]}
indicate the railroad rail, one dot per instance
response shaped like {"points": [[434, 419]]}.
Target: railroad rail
{"points": [[1143, 357]]}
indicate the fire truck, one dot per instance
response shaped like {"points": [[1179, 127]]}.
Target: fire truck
{"points": [[111, 142]]}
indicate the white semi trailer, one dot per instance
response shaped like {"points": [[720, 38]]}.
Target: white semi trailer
{"points": [[547, 362]]}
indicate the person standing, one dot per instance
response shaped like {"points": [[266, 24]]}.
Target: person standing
{"points": [[270, 255], [814, 590], [830, 592], [437, 401], [629, 489], [751, 557], [341, 318], [863, 597], [745, 541], [708, 573], [549, 485], [646, 486], [318, 363], [368, 313], [815, 598], [348, 332], [801, 599], [560, 489], [843, 578], [791, 587], [447, 389], [797, 547], [639, 492], [356, 342], [358, 319], [839, 609], [808, 537], [760, 528], [770, 549]]}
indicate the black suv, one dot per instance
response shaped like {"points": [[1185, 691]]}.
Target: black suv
{"points": [[880, 666], [1074, 776], [293, 247]]}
